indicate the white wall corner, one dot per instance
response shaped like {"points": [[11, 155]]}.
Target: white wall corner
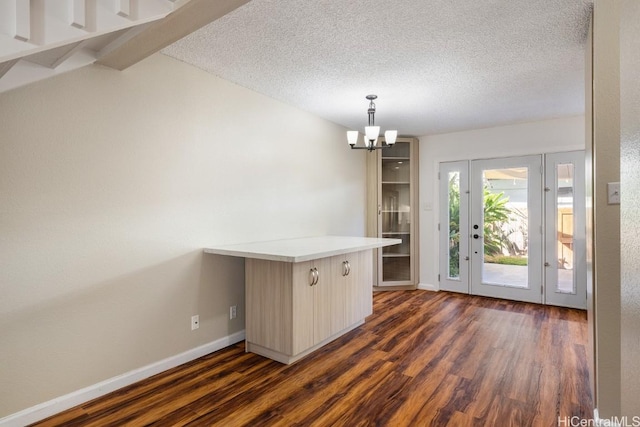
{"points": [[68, 401]]}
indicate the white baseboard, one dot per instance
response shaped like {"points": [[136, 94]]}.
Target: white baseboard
{"points": [[68, 401], [428, 287]]}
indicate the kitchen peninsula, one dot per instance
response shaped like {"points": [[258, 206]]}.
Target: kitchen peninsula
{"points": [[303, 293]]}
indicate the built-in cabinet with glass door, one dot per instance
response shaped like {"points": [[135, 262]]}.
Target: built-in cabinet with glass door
{"points": [[392, 204]]}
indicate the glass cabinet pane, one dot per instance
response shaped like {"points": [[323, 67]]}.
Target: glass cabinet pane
{"points": [[403, 248], [399, 149], [395, 171], [396, 269], [396, 208]]}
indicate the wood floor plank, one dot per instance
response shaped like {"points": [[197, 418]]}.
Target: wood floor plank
{"points": [[421, 359]]}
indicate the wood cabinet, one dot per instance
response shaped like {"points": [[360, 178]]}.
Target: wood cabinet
{"points": [[295, 308], [392, 199], [303, 293]]}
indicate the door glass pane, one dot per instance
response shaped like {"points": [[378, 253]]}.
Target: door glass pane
{"points": [[564, 206], [454, 225], [505, 227]]}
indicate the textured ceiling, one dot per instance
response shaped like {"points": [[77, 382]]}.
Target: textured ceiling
{"points": [[436, 65]]}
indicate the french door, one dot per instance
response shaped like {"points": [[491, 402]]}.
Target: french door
{"points": [[503, 234]]}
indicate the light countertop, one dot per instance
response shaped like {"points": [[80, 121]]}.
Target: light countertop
{"points": [[302, 249]]}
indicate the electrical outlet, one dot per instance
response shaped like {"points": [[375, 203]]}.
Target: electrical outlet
{"points": [[233, 311], [195, 322]]}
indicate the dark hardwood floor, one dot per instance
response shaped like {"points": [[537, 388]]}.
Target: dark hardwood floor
{"points": [[421, 359]]}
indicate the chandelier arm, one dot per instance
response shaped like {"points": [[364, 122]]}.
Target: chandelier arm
{"points": [[370, 148]]}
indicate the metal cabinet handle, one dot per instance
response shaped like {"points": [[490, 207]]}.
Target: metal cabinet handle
{"points": [[314, 275], [346, 268]]}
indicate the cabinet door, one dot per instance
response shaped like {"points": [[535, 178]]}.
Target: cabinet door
{"points": [[352, 293], [359, 286], [303, 307], [312, 304], [322, 307], [341, 298]]}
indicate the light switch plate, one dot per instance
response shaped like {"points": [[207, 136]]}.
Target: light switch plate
{"points": [[613, 193]]}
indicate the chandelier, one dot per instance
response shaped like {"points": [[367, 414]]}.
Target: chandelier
{"points": [[372, 132]]}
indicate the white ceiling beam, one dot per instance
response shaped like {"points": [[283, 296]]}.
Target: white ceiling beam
{"points": [[183, 21], [6, 66]]}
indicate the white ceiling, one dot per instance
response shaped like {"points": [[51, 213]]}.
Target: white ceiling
{"points": [[436, 65]]}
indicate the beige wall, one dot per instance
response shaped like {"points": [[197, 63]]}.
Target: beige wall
{"points": [[111, 183], [630, 207], [606, 220]]}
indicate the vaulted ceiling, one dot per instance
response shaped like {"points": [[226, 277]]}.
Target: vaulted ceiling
{"points": [[436, 65]]}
